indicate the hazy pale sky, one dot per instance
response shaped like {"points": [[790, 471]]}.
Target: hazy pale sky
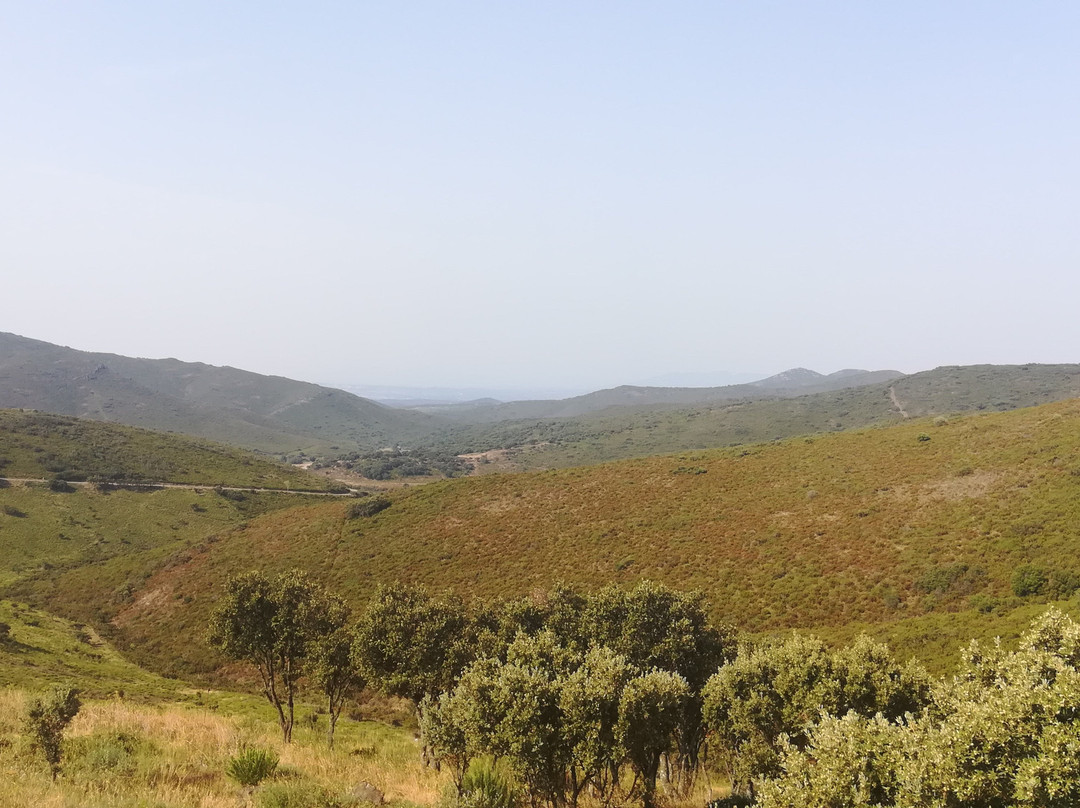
{"points": [[557, 193]]}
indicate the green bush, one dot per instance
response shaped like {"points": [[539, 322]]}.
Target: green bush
{"points": [[484, 786], [367, 507], [251, 766], [112, 752], [1062, 583], [732, 801], [985, 604], [951, 579], [1029, 579], [298, 794]]}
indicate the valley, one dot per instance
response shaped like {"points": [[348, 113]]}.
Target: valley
{"points": [[921, 511]]}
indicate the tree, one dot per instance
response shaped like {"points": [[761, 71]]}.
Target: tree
{"points": [[513, 710], [765, 693], [656, 627], [589, 702], [46, 720], [783, 690], [272, 624], [412, 644], [331, 665], [445, 727], [650, 711], [1002, 732]]}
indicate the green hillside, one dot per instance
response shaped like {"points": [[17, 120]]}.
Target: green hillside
{"points": [[887, 527], [281, 416], [37, 445], [623, 432], [112, 534]]}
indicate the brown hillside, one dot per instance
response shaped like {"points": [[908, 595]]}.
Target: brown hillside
{"points": [[870, 526]]}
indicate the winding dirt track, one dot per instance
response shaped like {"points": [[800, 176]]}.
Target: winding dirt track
{"points": [[186, 486], [896, 403]]}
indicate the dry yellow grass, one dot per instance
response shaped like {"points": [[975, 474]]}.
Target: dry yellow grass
{"points": [[180, 756]]}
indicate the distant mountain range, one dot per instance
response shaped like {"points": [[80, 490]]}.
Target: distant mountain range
{"points": [[276, 415], [625, 432], [267, 413], [795, 382]]}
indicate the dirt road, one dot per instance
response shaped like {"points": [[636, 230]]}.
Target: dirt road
{"points": [[186, 486], [896, 402]]}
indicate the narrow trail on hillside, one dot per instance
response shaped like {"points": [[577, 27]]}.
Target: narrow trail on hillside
{"points": [[185, 486], [896, 403]]}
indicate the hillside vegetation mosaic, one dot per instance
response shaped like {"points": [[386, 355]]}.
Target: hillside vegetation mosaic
{"points": [[808, 621]]}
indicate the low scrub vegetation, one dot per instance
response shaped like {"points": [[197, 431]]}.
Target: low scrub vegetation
{"points": [[862, 531], [121, 754], [249, 767]]}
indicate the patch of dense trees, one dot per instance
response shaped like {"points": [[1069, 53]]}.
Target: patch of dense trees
{"points": [[620, 693], [396, 463]]}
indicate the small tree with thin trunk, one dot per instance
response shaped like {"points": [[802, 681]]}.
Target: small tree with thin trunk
{"points": [[331, 666], [272, 624]]}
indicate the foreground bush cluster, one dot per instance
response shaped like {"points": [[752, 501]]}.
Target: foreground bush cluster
{"points": [[619, 696], [616, 695], [1003, 732]]}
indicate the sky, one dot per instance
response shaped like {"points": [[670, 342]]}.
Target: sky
{"points": [[564, 194]]}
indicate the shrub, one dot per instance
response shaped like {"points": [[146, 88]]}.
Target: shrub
{"points": [[983, 603], [1029, 579], [11, 510], [731, 801], [485, 786], [367, 507], [298, 794], [47, 719], [113, 752], [1063, 584], [251, 766], [951, 579]]}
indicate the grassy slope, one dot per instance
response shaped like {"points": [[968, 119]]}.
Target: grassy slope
{"points": [[142, 740], [45, 650], [636, 432], [100, 543], [816, 532], [36, 445]]}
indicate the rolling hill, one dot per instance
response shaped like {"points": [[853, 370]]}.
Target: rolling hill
{"points": [[794, 382], [266, 413], [618, 433], [915, 530], [282, 416], [38, 445]]}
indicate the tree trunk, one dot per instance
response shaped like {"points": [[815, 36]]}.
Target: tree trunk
{"points": [[333, 725], [289, 722]]}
